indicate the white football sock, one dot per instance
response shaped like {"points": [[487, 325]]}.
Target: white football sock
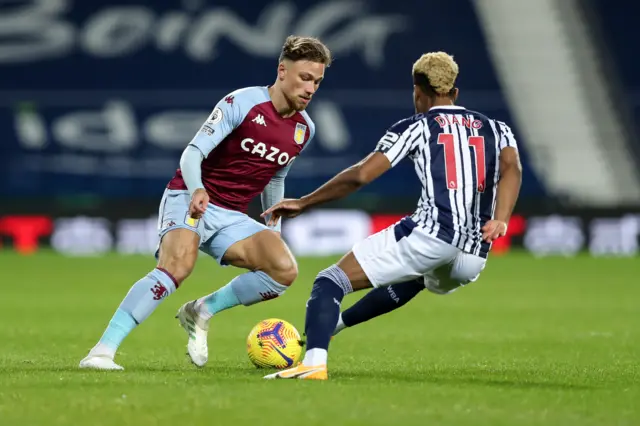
{"points": [[315, 356]]}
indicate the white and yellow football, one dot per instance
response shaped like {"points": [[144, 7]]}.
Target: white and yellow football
{"points": [[274, 343]]}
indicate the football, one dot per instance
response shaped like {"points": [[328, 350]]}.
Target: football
{"points": [[274, 343]]}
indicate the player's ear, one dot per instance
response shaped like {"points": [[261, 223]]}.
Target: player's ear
{"points": [[456, 92], [282, 70]]}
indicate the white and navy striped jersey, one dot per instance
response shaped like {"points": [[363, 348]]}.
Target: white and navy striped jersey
{"points": [[456, 155]]}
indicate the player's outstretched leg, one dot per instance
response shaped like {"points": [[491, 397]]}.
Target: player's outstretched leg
{"points": [[379, 301], [273, 270], [178, 253], [246, 289], [323, 310]]}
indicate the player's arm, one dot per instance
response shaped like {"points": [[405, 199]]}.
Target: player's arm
{"points": [[342, 184], [190, 165], [273, 193], [508, 190], [510, 171], [509, 184], [398, 142], [349, 180], [224, 118]]}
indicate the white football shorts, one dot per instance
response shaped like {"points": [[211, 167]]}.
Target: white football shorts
{"points": [[404, 252]]}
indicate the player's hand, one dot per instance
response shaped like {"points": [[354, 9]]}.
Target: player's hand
{"points": [[198, 204], [493, 230], [289, 207]]}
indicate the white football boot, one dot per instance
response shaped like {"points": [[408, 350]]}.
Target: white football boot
{"points": [[197, 330], [99, 362]]}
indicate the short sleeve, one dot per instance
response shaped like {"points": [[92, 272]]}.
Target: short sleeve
{"points": [[401, 139], [507, 139]]}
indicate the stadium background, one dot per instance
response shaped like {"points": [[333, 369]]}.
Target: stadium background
{"points": [[98, 100]]}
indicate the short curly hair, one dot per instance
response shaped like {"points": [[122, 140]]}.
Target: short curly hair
{"points": [[436, 72], [298, 48]]}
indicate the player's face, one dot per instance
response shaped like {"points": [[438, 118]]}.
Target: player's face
{"points": [[301, 80]]}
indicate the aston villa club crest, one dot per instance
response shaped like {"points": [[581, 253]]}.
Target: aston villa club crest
{"points": [[298, 136]]}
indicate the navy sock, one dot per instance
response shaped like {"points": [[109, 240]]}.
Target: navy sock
{"points": [[323, 307], [380, 301]]}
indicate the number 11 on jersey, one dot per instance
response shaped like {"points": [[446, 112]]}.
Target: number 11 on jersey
{"points": [[451, 172]]}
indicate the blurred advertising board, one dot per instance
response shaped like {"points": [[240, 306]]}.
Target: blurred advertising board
{"points": [[322, 232], [102, 96]]}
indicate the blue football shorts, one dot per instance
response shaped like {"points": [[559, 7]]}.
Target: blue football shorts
{"points": [[218, 228]]}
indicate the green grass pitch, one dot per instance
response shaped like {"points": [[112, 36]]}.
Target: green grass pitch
{"points": [[534, 342]]}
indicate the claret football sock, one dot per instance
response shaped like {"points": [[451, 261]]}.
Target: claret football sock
{"points": [[377, 302]]}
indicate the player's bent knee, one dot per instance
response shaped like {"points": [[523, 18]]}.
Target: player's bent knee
{"points": [[441, 282], [354, 272], [178, 254], [179, 268], [440, 286], [446, 283], [466, 272], [334, 275], [463, 277], [283, 270]]}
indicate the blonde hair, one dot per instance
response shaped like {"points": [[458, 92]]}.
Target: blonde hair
{"points": [[298, 48], [440, 69]]}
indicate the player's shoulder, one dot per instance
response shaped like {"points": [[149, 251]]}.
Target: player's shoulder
{"points": [[404, 124], [504, 127], [312, 126], [485, 118], [247, 97], [502, 130], [477, 115]]}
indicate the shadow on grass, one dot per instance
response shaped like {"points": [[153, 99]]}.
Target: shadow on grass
{"points": [[155, 372], [186, 368], [477, 378]]}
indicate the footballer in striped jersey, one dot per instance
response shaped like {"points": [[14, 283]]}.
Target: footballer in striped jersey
{"points": [[469, 168]]}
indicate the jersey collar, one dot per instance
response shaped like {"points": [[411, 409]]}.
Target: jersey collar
{"points": [[451, 107]]}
